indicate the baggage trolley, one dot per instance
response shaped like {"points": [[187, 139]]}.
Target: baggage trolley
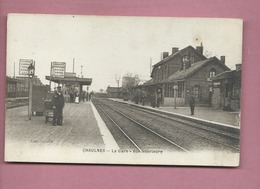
{"points": [[48, 110]]}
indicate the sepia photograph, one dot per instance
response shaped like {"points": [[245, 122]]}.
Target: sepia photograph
{"points": [[123, 90]]}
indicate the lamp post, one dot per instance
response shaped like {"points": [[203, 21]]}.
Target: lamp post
{"points": [[31, 70], [159, 98], [175, 88]]}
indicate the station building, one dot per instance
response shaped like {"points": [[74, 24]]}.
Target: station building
{"points": [[227, 90], [114, 92], [19, 86], [184, 72]]}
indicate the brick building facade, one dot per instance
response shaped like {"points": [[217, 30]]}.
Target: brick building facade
{"points": [[227, 89], [19, 86], [190, 71], [114, 92]]}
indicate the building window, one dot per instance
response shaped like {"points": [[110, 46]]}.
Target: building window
{"points": [[180, 89], [235, 92], [228, 90], [192, 59], [184, 65], [164, 70], [210, 88], [168, 90], [196, 93], [185, 58], [212, 73]]}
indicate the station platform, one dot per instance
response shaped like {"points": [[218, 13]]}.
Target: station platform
{"points": [[83, 137], [202, 113], [82, 128]]}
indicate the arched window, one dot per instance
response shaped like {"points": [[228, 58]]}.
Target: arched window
{"points": [[212, 73]]}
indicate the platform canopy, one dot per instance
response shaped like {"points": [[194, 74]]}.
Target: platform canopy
{"points": [[65, 80]]}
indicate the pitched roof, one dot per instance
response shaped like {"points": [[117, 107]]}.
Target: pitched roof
{"points": [[149, 82], [228, 74], [177, 53], [113, 89], [183, 74], [12, 80]]}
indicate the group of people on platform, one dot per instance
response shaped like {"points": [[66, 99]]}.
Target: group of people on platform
{"points": [[142, 97], [77, 97], [58, 103]]}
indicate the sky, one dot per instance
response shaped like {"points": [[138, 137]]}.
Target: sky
{"points": [[105, 46]]}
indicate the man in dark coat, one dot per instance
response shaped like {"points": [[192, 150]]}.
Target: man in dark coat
{"points": [[71, 97], [192, 104], [58, 105]]}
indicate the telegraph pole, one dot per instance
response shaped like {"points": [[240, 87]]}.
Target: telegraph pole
{"points": [[73, 64], [81, 71], [14, 69]]}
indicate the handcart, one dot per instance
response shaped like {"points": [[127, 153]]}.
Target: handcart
{"points": [[48, 110]]}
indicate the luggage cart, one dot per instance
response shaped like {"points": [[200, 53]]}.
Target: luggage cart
{"points": [[48, 110]]}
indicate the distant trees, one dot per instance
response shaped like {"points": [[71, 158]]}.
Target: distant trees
{"points": [[117, 78], [129, 82]]}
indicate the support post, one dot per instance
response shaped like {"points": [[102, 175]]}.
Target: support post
{"points": [[174, 98], [30, 99], [175, 88]]}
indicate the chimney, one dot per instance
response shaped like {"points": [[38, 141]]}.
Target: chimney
{"points": [[238, 67], [175, 49], [199, 49], [165, 55], [223, 59]]}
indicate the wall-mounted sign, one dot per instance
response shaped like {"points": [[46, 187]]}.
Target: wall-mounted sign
{"points": [[58, 69], [23, 66], [216, 83]]}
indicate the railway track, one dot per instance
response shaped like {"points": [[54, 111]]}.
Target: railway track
{"points": [[231, 135], [140, 136], [184, 135]]}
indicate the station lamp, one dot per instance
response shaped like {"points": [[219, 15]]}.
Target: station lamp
{"points": [[31, 70], [175, 88]]}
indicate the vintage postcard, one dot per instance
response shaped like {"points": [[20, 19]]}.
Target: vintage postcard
{"points": [[123, 90]]}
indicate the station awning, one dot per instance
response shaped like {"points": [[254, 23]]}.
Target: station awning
{"points": [[81, 81]]}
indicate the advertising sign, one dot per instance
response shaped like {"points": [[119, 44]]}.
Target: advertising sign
{"points": [[23, 66], [58, 69]]}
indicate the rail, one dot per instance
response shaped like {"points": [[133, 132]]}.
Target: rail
{"points": [[16, 102]]}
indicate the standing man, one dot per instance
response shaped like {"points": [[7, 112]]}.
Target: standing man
{"points": [[58, 105], [90, 95], [71, 97], [192, 104]]}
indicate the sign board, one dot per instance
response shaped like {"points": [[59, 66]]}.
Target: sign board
{"points": [[23, 66], [216, 83], [58, 69], [70, 74]]}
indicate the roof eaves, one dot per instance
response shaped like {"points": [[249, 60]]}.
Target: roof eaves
{"points": [[178, 52]]}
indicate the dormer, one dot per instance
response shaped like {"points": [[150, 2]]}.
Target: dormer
{"points": [[186, 62]]}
